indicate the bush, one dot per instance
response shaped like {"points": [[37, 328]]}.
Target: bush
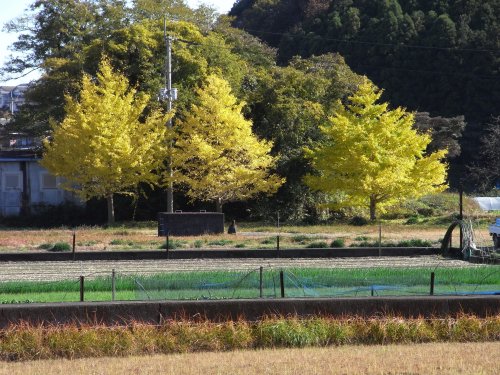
{"points": [[338, 242], [405, 243], [317, 245], [121, 242], [300, 238], [45, 246], [172, 244], [60, 247], [371, 244], [359, 221], [415, 242], [425, 211], [412, 220], [268, 241], [221, 242], [361, 238]]}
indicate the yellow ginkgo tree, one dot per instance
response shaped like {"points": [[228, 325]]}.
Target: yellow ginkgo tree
{"points": [[373, 157], [216, 155], [105, 145]]}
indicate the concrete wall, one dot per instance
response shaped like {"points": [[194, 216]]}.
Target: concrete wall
{"points": [[213, 254], [112, 313], [190, 223]]}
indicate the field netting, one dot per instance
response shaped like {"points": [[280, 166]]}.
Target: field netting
{"points": [[265, 282], [320, 283]]}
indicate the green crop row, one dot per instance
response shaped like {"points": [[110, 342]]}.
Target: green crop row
{"points": [[247, 284]]}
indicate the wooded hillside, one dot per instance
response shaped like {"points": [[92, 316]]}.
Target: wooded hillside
{"points": [[436, 56]]}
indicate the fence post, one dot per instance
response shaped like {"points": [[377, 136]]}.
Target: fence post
{"points": [[74, 245], [379, 238], [282, 284], [82, 287], [113, 285], [432, 283], [278, 236], [461, 217], [371, 287], [260, 281], [167, 241]]}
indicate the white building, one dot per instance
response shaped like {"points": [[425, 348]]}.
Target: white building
{"points": [[25, 184]]}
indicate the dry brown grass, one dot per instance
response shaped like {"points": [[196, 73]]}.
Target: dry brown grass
{"points": [[94, 238], [25, 342], [449, 358]]}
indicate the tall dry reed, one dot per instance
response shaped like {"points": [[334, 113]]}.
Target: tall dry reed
{"points": [[27, 342]]}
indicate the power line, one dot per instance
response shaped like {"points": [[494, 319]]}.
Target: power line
{"points": [[438, 72], [416, 46]]}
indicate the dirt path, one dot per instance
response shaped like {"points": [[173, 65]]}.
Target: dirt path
{"points": [[51, 271]]}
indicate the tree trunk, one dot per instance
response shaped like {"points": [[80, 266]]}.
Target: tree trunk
{"points": [[218, 205], [373, 207], [111, 209]]}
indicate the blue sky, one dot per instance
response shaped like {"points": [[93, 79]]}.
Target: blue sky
{"points": [[10, 9]]}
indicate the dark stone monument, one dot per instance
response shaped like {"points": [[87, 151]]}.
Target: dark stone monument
{"points": [[190, 223]]}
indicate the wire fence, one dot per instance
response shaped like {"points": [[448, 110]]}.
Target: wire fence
{"points": [[260, 282]]}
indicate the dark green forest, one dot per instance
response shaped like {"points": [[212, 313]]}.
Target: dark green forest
{"points": [[290, 61], [435, 56]]}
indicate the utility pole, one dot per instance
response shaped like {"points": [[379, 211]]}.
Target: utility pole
{"points": [[169, 94]]}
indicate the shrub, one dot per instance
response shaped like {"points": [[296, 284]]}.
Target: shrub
{"points": [[412, 220], [415, 242], [371, 244], [57, 247], [172, 244], [198, 244], [60, 247], [317, 245], [361, 238], [240, 245], [338, 242], [425, 211], [405, 243], [268, 241], [221, 242], [359, 221], [300, 238]]}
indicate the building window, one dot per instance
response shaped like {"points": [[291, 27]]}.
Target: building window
{"points": [[12, 181], [49, 181]]}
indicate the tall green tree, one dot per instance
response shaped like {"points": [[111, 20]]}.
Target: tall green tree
{"points": [[104, 146], [373, 157], [444, 131], [53, 36], [217, 156], [486, 175], [288, 107]]}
